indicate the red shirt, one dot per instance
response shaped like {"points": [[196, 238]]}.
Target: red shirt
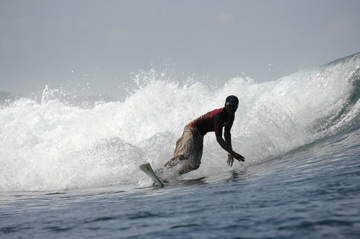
{"points": [[214, 121]]}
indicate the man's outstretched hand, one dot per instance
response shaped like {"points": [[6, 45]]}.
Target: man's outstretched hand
{"points": [[231, 159]]}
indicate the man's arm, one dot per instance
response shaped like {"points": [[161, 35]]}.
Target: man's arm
{"points": [[227, 147], [227, 136], [224, 145]]}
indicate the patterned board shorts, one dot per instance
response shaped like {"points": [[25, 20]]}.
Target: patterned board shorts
{"points": [[190, 144]]}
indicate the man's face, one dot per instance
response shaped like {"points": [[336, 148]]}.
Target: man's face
{"points": [[231, 109]]}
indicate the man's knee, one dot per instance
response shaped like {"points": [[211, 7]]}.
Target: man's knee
{"points": [[196, 166], [193, 167]]}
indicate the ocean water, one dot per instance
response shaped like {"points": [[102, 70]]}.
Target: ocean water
{"points": [[70, 169]]}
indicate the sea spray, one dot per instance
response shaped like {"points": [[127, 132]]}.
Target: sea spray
{"points": [[52, 144]]}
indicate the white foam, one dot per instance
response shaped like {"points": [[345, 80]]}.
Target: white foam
{"points": [[52, 144]]}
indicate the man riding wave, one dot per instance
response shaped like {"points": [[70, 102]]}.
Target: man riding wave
{"points": [[189, 147]]}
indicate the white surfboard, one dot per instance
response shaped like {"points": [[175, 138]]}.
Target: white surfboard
{"points": [[146, 168]]}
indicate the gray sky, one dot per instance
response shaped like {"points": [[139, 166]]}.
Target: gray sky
{"points": [[73, 42]]}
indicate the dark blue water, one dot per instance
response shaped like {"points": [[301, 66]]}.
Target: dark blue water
{"points": [[312, 192]]}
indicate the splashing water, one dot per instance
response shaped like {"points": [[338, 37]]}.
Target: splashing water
{"points": [[53, 144]]}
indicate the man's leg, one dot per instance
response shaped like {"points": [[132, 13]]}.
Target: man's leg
{"points": [[174, 161], [195, 151], [188, 152]]}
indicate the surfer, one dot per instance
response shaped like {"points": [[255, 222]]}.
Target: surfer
{"points": [[189, 147]]}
